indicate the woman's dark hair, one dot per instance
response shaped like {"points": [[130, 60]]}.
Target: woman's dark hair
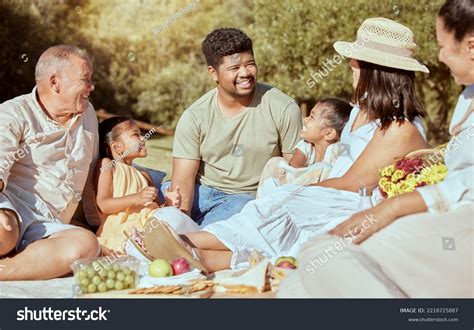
{"points": [[458, 16], [223, 42], [109, 131], [387, 94], [335, 113]]}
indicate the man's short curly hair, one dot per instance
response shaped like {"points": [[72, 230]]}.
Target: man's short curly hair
{"points": [[222, 42]]}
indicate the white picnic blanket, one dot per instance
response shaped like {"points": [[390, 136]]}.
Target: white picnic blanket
{"points": [[55, 288]]}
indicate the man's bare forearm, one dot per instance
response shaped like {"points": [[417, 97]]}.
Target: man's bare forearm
{"points": [[187, 193]]}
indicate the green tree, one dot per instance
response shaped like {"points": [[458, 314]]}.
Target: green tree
{"points": [[26, 32], [147, 54], [154, 58], [293, 39]]}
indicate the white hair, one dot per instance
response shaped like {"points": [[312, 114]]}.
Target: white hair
{"points": [[56, 58]]}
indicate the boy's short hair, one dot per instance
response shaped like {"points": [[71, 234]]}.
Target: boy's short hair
{"points": [[223, 42]]}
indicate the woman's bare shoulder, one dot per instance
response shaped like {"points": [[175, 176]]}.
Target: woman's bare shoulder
{"points": [[402, 132], [401, 127]]}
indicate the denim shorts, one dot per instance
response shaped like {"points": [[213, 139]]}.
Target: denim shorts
{"points": [[33, 224], [211, 205]]}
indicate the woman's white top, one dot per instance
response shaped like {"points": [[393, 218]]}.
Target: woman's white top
{"points": [[456, 190]]}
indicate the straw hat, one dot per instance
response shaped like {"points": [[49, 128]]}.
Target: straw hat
{"points": [[384, 42]]}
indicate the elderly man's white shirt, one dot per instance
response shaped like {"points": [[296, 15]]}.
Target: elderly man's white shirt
{"points": [[46, 165]]}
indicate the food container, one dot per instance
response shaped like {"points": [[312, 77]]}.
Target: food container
{"points": [[105, 274]]}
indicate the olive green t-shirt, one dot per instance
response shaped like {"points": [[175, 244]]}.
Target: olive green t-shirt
{"points": [[233, 151]]}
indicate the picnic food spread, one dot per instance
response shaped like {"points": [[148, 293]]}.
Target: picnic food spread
{"points": [[133, 277], [286, 262]]}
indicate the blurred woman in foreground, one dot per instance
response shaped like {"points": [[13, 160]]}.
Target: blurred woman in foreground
{"points": [[420, 243]]}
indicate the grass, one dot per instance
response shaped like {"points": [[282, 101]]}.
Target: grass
{"points": [[159, 154]]}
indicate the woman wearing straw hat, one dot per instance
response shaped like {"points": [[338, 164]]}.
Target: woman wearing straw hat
{"points": [[421, 245], [383, 125]]}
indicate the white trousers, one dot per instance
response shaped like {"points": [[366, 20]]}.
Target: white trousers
{"points": [[418, 256]]}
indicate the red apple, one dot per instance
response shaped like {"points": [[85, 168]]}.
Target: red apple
{"points": [[180, 266], [286, 264]]}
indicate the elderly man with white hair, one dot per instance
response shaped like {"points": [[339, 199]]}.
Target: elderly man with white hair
{"points": [[48, 150]]}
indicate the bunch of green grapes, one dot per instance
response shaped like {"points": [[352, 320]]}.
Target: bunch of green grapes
{"points": [[98, 278]]}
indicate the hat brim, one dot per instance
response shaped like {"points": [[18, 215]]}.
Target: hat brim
{"points": [[359, 52]]}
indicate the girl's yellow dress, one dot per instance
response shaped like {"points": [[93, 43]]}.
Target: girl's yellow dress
{"points": [[126, 180]]}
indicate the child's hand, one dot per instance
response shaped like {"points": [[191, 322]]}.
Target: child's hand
{"points": [[146, 197], [173, 198]]}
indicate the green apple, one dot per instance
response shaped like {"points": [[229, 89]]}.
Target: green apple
{"points": [[160, 268]]}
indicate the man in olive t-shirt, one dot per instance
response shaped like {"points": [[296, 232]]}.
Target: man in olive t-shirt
{"points": [[224, 139]]}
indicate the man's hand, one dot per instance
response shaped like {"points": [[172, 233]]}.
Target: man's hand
{"points": [[173, 198], [9, 231], [1, 185], [146, 196], [184, 176], [6, 221]]}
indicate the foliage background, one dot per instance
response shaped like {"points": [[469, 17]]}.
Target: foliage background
{"points": [[155, 76]]}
